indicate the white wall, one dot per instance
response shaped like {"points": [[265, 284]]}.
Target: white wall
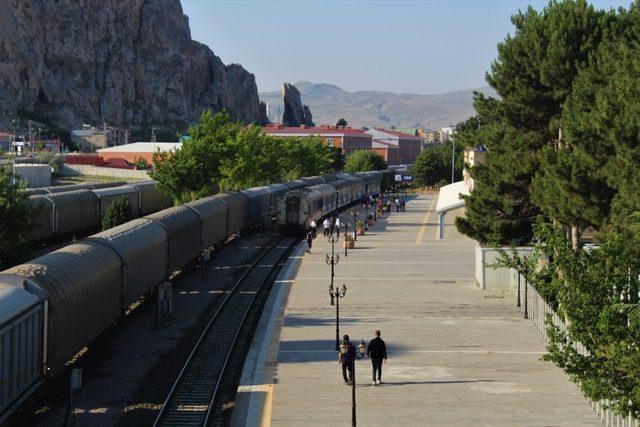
{"points": [[98, 171], [34, 175], [492, 278]]}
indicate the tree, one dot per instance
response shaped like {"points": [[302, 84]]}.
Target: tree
{"points": [[342, 123], [337, 159], [304, 157], [141, 163], [117, 213], [17, 220], [533, 74], [364, 161]]}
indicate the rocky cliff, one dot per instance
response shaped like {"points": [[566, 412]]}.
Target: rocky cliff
{"points": [[121, 62], [295, 114]]}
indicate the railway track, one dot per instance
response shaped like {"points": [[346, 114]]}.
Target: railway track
{"points": [[193, 397]]}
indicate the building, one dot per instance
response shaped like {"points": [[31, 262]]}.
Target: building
{"points": [[430, 136], [387, 150], [347, 138], [447, 133], [5, 141], [408, 146], [132, 152], [472, 157]]}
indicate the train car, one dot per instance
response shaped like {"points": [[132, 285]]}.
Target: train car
{"points": [[35, 191], [259, 204], [276, 191], [74, 211], [358, 187], [42, 227], [22, 320], [329, 202], [297, 208], [107, 196], [82, 285], [152, 199], [142, 246], [237, 211], [343, 192], [388, 179], [99, 185], [69, 187], [374, 182], [183, 226], [213, 215]]}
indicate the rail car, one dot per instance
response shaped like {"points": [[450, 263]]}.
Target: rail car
{"points": [[53, 306], [66, 212]]}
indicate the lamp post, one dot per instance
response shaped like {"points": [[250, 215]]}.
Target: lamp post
{"points": [[453, 158], [336, 294], [334, 258], [355, 224], [526, 286], [346, 229], [359, 354]]}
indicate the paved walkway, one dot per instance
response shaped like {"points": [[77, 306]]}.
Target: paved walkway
{"points": [[458, 356]]}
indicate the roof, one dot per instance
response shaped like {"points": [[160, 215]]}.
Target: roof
{"points": [[449, 196], [399, 134], [315, 131], [376, 143], [142, 147]]}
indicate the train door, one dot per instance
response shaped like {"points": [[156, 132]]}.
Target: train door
{"points": [[293, 210]]}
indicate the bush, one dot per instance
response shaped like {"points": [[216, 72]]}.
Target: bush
{"points": [[117, 213]]}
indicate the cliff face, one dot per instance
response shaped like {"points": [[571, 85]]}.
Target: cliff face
{"points": [[114, 61], [295, 114]]}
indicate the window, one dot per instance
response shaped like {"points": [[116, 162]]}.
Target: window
{"points": [[330, 142]]}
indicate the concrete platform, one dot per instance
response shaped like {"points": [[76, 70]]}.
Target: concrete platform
{"points": [[458, 356]]}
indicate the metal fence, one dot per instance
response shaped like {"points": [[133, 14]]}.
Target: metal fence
{"points": [[538, 310]]}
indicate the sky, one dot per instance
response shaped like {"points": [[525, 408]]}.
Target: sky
{"points": [[404, 46]]}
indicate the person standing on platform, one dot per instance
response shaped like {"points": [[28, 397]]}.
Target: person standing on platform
{"points": [[377, 352], [397, 205], [337, 226], [346, 359], [309, 239], [326, 224], [314, 227]]}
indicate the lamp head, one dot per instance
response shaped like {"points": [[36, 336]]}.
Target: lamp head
{"points": [[331, 289], [337, 258], [327, 259], [344, 289]]}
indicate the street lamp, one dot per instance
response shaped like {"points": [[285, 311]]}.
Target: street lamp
{"points": [[359, 354], [337, 293], [346, 229], [334, 258], [355, 224]]}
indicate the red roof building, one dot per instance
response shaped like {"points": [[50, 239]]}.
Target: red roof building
{"points": [[408, 146], [347, 138], [388, 151]]}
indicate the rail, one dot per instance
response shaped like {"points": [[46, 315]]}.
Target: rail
{"points": [[193, 396]]}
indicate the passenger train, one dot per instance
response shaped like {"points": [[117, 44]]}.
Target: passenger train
{"points": [[53, 306]]}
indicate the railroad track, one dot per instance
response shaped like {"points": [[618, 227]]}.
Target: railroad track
{"points": [[193, 397]]}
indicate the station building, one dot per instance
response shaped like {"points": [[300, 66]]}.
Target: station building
{"points": [[387, 150], [347, 138]]}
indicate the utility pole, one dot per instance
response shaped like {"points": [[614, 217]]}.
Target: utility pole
{"points": [[453, 158], [31, 146]]}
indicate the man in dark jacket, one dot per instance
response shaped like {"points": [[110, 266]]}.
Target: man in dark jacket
{"points": [[346, 359], [377, 351]]}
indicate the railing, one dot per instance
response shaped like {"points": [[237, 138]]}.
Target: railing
{"points": [[538, 310]]}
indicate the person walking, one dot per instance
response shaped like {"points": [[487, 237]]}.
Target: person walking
{"points": [[347, 359], [397, 205], [309, 239], [377, 352], [389, 205], [314, 227], [326, 224], [337, 226]]}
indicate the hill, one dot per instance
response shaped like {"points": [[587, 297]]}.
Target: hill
{"points": [[374, 108]]}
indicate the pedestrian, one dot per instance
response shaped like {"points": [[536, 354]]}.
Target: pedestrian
{"points": [[397, 205], [337, 226], [377, 352], [326, 224], [401, 205], [347, 359], [309, 242], [314, 227], [331, 226], [389, 205]]}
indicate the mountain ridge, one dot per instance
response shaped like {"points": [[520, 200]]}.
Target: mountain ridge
{"points": [[370, 108]]}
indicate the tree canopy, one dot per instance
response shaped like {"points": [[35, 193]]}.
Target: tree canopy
{"points": [[117, 213], [363, 161], [17, 220], [433, 165], [342, 123], [222, 154]]}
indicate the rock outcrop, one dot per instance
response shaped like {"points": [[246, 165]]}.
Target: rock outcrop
{"points": [[295, 114], [121, 62]]}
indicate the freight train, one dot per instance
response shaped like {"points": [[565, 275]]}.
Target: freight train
{"points": [[53, 306], [70, 209]]}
